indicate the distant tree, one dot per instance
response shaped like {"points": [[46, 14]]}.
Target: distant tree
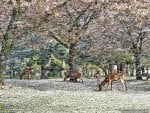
{"points": [[18, 19], [69, 25], [10, 12], [135, 23], [123, 27]]}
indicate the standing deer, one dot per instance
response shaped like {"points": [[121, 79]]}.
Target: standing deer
{"points": [[27, 73], [113, 77], [74, 76]]}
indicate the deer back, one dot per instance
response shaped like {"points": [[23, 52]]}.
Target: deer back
{"points": [[116, 76], [75, 74]]}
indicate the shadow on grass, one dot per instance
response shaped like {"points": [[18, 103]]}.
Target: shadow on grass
{"points": [[134, 110], [138, 85], [88, 84]]}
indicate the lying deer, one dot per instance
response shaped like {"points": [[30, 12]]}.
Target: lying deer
{"points": [[27, 73], [113, 77], [74, 76]]}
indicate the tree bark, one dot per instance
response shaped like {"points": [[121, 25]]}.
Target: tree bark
{"points": [[2, 68], [72, 55], [138, 67], [105, 70], [110, 66], [43, 72], [84, 70], [143, 70], [118, 67], [132, 69], [137, 50], [127, 69]]}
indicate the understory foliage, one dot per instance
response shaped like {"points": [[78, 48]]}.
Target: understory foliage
{"points": [[90, 31]]}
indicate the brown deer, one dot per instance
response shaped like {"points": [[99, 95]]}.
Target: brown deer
{"points": [[74, 76], [113, 77], [27, 73]]}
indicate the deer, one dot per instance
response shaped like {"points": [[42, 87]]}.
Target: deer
{"points": [[27, 72], [74, 76], [97, 76], [113, 77]]}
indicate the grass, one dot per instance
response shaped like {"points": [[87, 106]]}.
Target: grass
{"points": [[57, 100]]}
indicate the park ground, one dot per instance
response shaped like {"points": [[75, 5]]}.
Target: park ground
{"points": [[57, 96]]}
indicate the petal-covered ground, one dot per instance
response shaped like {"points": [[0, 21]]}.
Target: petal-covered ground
{"points": [[57, 96]]}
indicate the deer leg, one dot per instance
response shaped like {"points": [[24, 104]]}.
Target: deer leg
{"points": [[107, 86], [123, 84], [66, 78], [111, 85], [80, 80], [73, 79], [100, 87]]}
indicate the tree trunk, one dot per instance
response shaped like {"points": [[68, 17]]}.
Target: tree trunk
{"points": [[127, 70], [105, 70], [123, 68], [43, 72], [84, 72], [118, 67], [137, 67], [2, 68], [72, 54], [147, 70], [132, 70], [110, 68]]}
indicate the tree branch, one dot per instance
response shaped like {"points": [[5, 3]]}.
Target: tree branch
{"points": [[57, 38], [87, 21]]}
